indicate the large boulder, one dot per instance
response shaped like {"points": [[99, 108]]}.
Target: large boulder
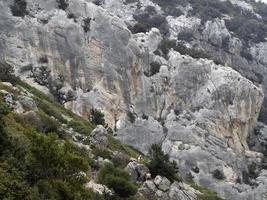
{"points": [[99, 136], [162, 183], [28, 103], [162, 189], [98, 188]]}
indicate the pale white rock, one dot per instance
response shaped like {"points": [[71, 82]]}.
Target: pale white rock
{"points": [[98, 188], [201, 113], [215, 32], [99, 136], [162, 183], [259, 52], [182, 23], [149, 40], [27, 103]]}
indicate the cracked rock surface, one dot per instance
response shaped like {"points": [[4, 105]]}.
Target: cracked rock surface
{"points": [[200, 112]]}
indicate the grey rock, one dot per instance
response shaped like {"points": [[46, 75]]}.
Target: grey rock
{"points": [[7, 97], [142, 134], [98, 188], [148, 189], [258, 140], [27, 103], [174, 191], [137, 171], [162, 183], [201, 113], [99, 136], [160, 195]]}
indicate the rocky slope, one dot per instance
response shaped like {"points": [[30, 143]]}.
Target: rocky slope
{"points": [[47, 152], [161, 72]]}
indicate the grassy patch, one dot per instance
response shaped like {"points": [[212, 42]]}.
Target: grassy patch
{"points": [[115, 145], [9, 89], [52, 108], [206, 193]]}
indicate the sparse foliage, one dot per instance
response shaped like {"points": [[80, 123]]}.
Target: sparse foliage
{"points": [[159, 163]]}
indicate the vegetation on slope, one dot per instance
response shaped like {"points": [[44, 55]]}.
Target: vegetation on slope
{"points": [[38, 159]]}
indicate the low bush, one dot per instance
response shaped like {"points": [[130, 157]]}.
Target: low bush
{"points": [[118, 180], [120, 160], [86, 24], [154, 68], [102, 152], [6, 73], [97, 117], [149, 19], [19, 8], [41, 122], [115, 145], [81, 126], [205, 194], [63, 4], [36, 166], [131, 117], [218, 174]]}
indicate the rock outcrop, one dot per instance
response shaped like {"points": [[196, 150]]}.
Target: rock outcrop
{"points": [[161, 189], [138, 172], [201, 112], [99, 136]]}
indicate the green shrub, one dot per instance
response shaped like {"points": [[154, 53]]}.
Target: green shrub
{"points": [[131, 117], [49, 159], [35, 166], [41, 122], [62, 4], [149, 19], [81, 126], [12, 186], [120, 160], [154, 68], [115, 145], [218, 174], [247, 29], [206, 194], [49, 109], [186, 36], [97, 117], [102, 152], [6, 73], [139, 27], [159, 164], [86, 24], [117, 179], [19, 8]]}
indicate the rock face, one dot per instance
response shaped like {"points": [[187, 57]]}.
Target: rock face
{"points": [[161, 189], [202, 113], [137, 171]]}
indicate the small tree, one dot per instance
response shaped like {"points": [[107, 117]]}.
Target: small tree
{"points": [[160, 165], [6, 72], [97, 117]]}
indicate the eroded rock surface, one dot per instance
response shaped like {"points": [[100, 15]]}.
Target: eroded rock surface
{"points": [[202, 113]]}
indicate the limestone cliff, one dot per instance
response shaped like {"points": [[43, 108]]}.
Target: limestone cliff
{"points": [[202, 113]]}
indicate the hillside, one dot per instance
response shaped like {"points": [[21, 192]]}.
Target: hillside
{"points": [[47, 152], [188, 76]]}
